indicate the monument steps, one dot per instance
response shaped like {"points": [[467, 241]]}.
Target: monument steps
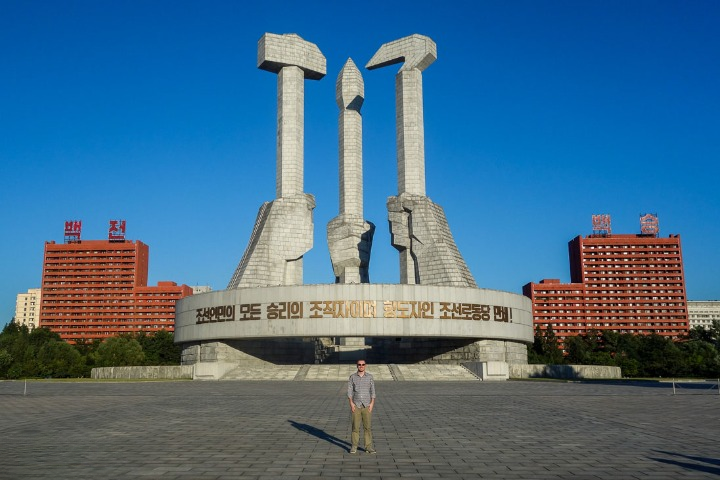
{"points": [[265, 372], [435, 372], [341, 372]]}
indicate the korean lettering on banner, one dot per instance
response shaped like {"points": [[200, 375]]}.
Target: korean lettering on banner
{"points": [[355, 309], [116, 230], [326, 308], [284, 310], [223, 313], [316, 309], [502, 314], [330, 309], [73, 228], [360, 309], [249, 311], [342, 309], [409, 309], [464, 311]]}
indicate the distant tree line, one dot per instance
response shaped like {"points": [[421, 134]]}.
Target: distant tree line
{"points": [[653, 355], [41, 353]]}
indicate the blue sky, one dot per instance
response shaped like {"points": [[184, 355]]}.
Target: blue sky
{"points": [[538, 114]]}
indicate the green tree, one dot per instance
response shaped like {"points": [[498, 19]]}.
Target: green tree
{"points": [[119, 351], [577, 350], [159, 348], [16, 342], [715, 334], [660, 356], [700, 334], [653, 355], [9, 351], [535, 351], [6, 361], [42, 353], [39, 337], [622, 350], [701, 359], [59, 359], [88, 351], [546, 348], [630, 367], [23, 347]]}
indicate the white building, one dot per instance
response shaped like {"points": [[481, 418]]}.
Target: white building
{"points": [[27, 308], [702, 313], [201, 289]]}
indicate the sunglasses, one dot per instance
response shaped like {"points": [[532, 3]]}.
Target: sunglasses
{"points": [[360, 364]]}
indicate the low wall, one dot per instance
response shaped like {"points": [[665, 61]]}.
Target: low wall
{"points": [[489, 371], [170, 372], [564, 371]]}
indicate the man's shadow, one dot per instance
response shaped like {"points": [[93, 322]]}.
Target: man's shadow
{"points": [[321, 434]]}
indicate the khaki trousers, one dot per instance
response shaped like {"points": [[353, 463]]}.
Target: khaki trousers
{"points": [[361, 414]]}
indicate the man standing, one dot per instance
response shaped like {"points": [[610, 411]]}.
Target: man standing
{"points": [[361, 394]]}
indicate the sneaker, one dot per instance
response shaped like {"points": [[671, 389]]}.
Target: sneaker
{"points": [[371, 451], [353, 450]]}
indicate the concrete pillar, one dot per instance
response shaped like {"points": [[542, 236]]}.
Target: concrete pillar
{"points": [[410, 131], [349, 94], [291, 132], [293, 60], [349, 235], [417, 52]]}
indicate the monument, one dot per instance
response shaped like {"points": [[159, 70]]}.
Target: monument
{"points": [[436, 314]]}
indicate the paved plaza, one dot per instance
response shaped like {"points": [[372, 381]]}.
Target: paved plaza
{"points": [[423, 430]]}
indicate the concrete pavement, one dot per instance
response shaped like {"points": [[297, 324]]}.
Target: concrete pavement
{"points": [[300, 430]]}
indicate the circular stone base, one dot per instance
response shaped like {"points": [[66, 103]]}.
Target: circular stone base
{"points": [[354, 310]]}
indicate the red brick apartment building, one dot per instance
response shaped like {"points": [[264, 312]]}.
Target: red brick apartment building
{"points": [[627, 283], [98, 289]]}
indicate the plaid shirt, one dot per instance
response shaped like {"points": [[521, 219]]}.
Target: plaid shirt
{"points": [[361, 389]]}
